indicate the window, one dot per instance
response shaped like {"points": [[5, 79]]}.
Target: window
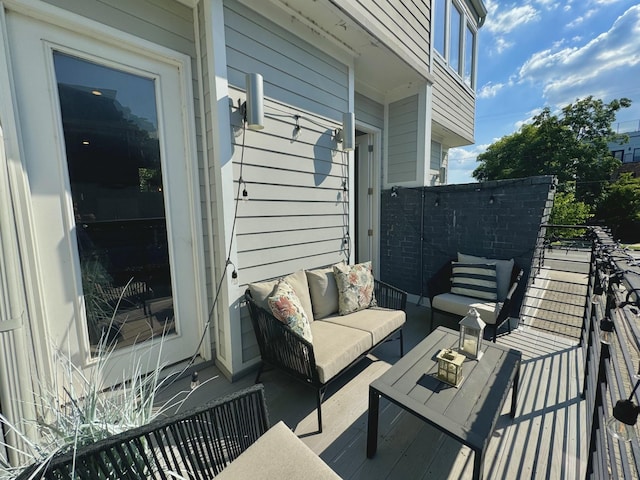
{"points": [[440, 20], [636, 154], [436, 155], [454, 39], [619, 154], [469, 56]]}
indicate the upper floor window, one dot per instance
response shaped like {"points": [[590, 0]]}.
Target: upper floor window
{"points": [[454, 39], [636, 154], [619, 154]]}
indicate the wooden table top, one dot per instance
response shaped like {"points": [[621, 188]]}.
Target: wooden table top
{"points": [[468, 412]]}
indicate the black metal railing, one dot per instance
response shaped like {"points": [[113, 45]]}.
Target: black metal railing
{"points": [[610, 339]]}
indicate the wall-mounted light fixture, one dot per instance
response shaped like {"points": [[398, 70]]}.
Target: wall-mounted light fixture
{"points": [[254, 106], [622, 424], [394, 191], [348, 131], [492, 200], [437, 202]]}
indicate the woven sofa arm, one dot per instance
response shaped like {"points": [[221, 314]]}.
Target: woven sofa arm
{"points": [[195, 444], [279, 345], [388, 296], [440, 282]]}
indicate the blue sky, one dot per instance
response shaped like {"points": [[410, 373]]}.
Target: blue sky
{"points": [[541, 53]]}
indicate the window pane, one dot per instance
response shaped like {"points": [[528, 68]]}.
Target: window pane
{"points": [[469, 56], [439, 26], [110, 125], [454, 39], [436, 155], [636, 154]]}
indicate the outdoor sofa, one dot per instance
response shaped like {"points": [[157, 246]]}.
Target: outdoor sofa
{"points": [[334, 340], [465, 282], [228, 438]]}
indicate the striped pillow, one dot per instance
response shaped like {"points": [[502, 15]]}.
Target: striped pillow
{"points": [[477, 280]]}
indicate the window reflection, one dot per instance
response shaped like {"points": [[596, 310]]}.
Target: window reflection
{"points": [[109, 120]]}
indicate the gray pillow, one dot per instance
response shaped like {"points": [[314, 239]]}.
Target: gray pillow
{"points": [[324, 292], [503, 271]]}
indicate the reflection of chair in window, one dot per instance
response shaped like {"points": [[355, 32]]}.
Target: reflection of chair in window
{"points": [[131, 295]]}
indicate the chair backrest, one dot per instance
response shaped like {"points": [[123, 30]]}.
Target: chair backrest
{"points": [[196, 445]]}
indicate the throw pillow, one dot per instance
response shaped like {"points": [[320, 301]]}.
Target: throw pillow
{"points": [[324, 292], [286, 307], [477, 280], [503, 271], [298, 280], [355, 287]]}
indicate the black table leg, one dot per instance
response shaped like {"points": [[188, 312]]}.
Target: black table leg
{"points": [[372, 424], [514, 391]]}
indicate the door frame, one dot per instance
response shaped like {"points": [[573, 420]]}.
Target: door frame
{"points": [[37, 332], [374, 138]]}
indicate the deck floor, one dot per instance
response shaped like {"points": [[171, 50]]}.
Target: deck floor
{"points": [[546, 439]]}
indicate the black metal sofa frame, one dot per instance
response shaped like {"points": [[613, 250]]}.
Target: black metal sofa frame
{"points": [[283, 349], [440, 283], [196, 444]]}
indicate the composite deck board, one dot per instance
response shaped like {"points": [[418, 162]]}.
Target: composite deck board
{"points": [[546, 439]]}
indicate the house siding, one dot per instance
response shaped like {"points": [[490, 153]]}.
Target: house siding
{"points": [[406, 23], [403, 140], [369, 111], [453, 105], [297, 214]]}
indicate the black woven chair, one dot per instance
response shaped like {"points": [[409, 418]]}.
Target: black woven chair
{"points": [[196, 445], [282, 348]]}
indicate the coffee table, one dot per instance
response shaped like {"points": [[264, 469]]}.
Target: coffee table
{"points": [[468, 413]]}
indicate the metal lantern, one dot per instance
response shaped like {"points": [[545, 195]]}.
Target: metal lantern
{"points": [[450, 366], [471, 334]]}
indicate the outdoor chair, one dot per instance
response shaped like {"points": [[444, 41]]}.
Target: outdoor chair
{"points": [[197, 444]]}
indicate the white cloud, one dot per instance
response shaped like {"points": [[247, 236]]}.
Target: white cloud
{"points": [[529, 118], [490, 90], [607, 66], [462, 163], [505, 21], [581, 19]]}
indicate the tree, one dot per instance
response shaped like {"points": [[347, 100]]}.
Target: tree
{"points": [[572, 146], [621, 208]]}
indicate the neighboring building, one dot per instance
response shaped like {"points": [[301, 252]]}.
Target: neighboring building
{"points": [[123, 155], [628, 152]]}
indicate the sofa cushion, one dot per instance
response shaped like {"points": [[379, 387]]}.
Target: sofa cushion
{"points": [[476, 280], [503, 272], [286, 307], [377, 321], [355, 287], [336, 346], [324, 292], [298, 280], [279, 453], [459, 305]]}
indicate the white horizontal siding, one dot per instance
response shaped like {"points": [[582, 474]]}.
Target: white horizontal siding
{"points": [[296, 215], [405, 24], [403, 140], [453, 104], [369, 111]]}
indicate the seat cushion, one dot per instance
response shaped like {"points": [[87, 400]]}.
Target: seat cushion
{"points": [[503, 272], [459, 305], [336, 346], [377, 321], [279, 453], [298, 280], [324, 292]]}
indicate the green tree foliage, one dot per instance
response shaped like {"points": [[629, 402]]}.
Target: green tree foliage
{"points": [[571, 146], [621, 208], [568, 211]]}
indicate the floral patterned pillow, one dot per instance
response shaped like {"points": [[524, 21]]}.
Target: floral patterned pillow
{"points": [[286, 307], [355, 287]]}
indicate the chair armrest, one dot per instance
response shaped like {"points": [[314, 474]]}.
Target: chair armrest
{"points": [[280, 345], [388, 296], [440, 282], [516, 277]]}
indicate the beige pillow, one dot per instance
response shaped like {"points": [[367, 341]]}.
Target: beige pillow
{"points": [[298, 280], [324, 292], [355, 287], [503, 271]]}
